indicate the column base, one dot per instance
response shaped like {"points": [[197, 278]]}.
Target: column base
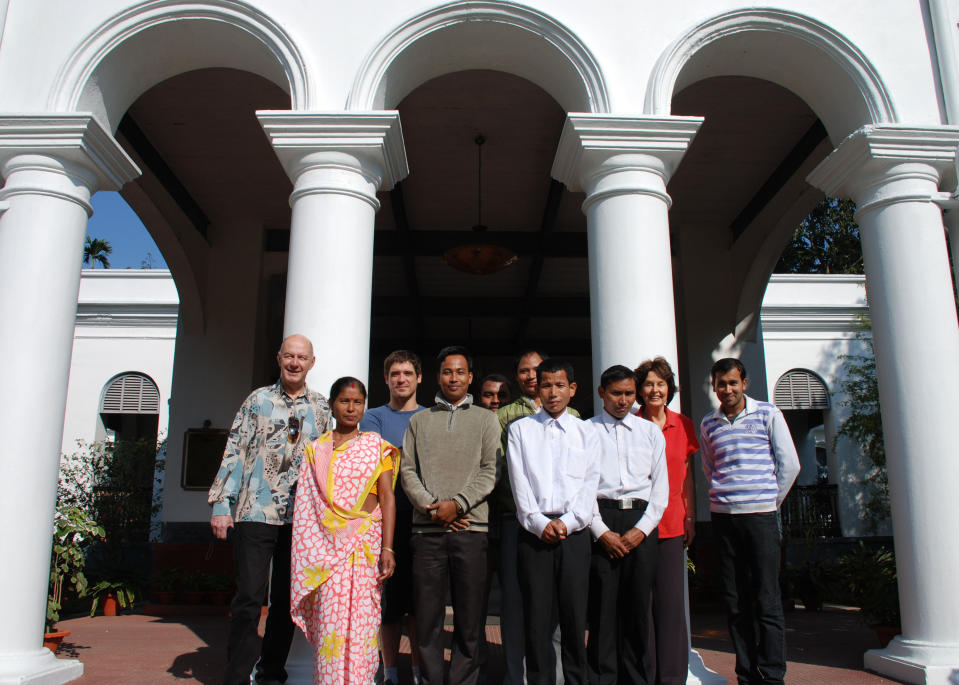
{"points": [[915, 661], [299, 665], [699, 673], [38, 668]]}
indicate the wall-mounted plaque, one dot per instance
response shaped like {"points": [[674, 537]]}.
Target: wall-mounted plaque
{"points": [[202, 454]]}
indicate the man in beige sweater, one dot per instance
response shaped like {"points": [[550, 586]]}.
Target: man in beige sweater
{"points": [[448, 470]]}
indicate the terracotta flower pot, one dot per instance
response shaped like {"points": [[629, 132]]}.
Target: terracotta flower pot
{"points": [[110, 605], [52, 640]]}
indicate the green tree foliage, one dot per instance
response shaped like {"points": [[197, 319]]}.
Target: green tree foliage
{"points": [[864, 425], [97, 250], [826, 242]]}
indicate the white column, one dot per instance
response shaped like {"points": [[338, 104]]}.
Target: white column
{"points": [[337, 162], [52, 165], [623, 165], [892, 172]]}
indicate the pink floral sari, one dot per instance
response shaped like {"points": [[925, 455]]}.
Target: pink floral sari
{"points": [[335, 597]]}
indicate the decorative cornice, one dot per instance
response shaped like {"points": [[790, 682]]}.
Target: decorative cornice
{"points": [[134, 315], [72, 138], [813, 319], [881, 154], [371, 138], [589, 141]]}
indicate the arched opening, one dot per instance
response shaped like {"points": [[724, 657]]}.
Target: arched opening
{"points": [[812, 506], [481, 35], [130, 408]]}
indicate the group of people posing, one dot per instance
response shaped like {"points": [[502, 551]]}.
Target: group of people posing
{"points": [[370, 517]]}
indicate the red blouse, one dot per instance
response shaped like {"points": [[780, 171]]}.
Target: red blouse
{"points": [[681, 444]]}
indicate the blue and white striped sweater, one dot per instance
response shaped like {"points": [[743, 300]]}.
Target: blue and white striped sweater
{"points": [[741, 459]]}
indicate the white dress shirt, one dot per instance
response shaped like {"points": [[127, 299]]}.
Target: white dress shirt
{"points": [[554, 470], [632, 466]]}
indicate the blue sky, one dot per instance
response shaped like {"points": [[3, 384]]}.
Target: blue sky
{"points": [[115, 222]]}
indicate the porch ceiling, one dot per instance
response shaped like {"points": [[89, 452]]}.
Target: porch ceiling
{"points": [[201, 127]]}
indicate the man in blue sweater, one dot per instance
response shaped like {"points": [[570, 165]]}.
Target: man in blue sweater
{"points": [[750, 463]]}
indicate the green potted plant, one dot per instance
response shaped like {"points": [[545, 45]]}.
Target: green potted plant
{"points": [[869, 575], [164, 584], [220, 588], [73, 530], [113, 593], [194, 587]]}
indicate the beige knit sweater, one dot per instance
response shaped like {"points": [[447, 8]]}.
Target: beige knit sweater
{"points": [[450, 454]]}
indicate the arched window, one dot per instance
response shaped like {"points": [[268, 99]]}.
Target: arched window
{"points": [[130, 393], [130, 407], [801, 389]]}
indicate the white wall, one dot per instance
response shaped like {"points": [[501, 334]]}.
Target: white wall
{"points": [[126, 322], [809, 322]]}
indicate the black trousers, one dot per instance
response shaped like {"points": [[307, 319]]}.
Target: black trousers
{"points": [[619, 606], [669, 654], [454, 562], [255, 546], [551, 577], [749, 565]]}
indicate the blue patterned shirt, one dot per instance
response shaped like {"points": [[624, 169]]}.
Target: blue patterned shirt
{"points": [[261, 462]]}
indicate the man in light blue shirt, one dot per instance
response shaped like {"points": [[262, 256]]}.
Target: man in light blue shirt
{"points": [[403, 373]]}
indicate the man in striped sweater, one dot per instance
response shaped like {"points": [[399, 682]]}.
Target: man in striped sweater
{"points": [[750, 463]]}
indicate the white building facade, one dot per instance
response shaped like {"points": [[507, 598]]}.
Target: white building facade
{"points": [[645, 164]]}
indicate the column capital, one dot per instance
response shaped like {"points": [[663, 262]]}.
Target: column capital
{"points": [[73, 140], [594, 145], [882, 164], [372, 140]]}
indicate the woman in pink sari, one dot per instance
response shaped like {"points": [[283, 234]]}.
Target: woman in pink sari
{"points": [[342, 541]]}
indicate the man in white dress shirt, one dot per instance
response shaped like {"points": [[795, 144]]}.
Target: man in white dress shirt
{"points": [[631, 497], [554, 469]]}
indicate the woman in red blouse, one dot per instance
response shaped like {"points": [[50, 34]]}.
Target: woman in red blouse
{"points": [[657, 385]]}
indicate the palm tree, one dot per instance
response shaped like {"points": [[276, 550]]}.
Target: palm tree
{"points": [[96, 250]]}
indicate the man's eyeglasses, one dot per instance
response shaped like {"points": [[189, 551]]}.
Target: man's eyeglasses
{"points": [[294, 428]]}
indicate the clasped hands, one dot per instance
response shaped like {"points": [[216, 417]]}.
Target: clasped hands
{"points": [[618, 546], [448, 515]]}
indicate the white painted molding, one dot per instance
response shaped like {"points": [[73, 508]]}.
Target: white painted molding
{"points": [[875, 156], [368, 86], [75, 74], [373, 137], [74, 138], [662, 82], [588, 140]]}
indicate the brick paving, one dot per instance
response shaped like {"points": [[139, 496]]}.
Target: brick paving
{"points": [[823, 647]]}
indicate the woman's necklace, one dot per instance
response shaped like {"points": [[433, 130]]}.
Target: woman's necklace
{"points": [[340, 438]]}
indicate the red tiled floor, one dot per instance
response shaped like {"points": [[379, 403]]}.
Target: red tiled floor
{"points": [[824, 647]]}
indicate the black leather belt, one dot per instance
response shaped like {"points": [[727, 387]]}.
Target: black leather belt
{"points": [[625, 503]]}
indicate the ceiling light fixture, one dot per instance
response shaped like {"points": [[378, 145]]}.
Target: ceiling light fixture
{"points": [[480, 259]]}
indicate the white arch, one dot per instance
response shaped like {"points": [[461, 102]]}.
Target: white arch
{"points": [[501, 36], [100, 75], [804, 55]]}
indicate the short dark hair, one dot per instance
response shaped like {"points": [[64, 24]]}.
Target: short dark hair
{"points": [[399, 357], [494, 378], [342, 383], [616, 373], [724, 366], [555, 365], [661, 368], [525, 353], [453, 350]]}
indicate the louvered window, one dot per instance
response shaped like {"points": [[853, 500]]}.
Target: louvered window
{"points": [[131, 393], [801, 389]]}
